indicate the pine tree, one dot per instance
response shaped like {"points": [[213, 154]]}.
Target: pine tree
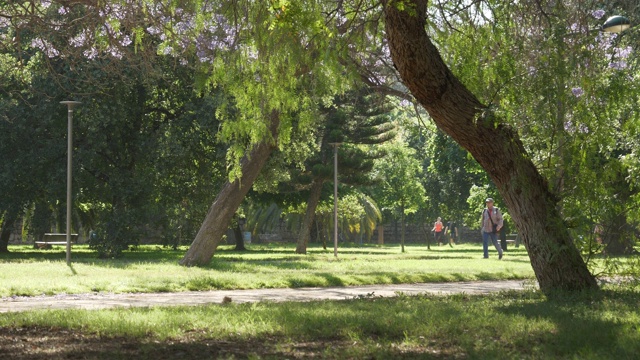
{"points": [[357, 120]]}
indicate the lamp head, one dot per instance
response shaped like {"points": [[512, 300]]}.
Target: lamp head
{"points": [[70, 103], [616, 24]]}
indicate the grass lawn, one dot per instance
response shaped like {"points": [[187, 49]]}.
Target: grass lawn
{"points": [[515, 325], [25, 271]]}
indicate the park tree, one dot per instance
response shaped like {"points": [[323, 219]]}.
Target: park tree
{"points": [[399, 190], [357, 121], [141, 116], [495, 145], [448, 174], [297, 58], [279, 74], [32, 170], [149, 158], [574, 111], [571, 96], [127, 144], [15, 147]]}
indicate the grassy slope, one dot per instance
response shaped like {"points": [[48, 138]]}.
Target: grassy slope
{"points": [[25, 271]]}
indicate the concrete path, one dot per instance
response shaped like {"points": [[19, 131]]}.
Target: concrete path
{"points": [[190, 298]]}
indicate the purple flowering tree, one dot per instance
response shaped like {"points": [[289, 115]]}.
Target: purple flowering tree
{"points": [[495, 145], [569, 95], [273, 76]]}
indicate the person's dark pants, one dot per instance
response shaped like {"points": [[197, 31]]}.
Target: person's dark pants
{"points": [[438, 237], [485, 243]]}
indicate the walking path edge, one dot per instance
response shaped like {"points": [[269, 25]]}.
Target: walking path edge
{"points": [[96, 301]]}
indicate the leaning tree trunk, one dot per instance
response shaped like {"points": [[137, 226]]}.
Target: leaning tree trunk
{"points": [[228, 200], [312, 205], [497, 148]]}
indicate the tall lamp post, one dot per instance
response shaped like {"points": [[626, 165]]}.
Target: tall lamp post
{"points": [[70, 105], [335, 198]]}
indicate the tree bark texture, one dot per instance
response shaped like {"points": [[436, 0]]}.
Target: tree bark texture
{"points": [[228, 200], [237, 232], [618, 236], [10, 217], [497, 148], [312, 204]]}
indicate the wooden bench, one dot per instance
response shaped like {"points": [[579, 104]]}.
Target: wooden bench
{"points": [[512, 239], [55, 239]]}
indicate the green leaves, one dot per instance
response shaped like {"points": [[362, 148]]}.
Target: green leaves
{"points": [[400, 188]]}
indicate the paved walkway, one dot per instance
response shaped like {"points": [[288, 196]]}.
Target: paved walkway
{"points": [[190, 298]]}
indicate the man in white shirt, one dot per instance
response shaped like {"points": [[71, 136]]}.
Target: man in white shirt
{"points": [[491, 224]]}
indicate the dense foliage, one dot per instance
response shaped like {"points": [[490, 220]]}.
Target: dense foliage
{"points": [[175, 94]]}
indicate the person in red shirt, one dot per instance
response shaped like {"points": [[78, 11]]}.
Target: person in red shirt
{"points": [[438, 230]]}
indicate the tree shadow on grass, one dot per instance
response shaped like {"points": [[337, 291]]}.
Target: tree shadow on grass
{"points": [[30, 343], [521, 260], [37, 343], [573, 328], [437, 257], [405, 327], [44, 255], [581, 326], [280, 258], [242, 265], [82, 254]]}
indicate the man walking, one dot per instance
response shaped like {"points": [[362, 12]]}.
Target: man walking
{"points": [[491, 224]]}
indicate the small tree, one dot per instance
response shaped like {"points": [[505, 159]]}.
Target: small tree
{"points": [[399, 190]]}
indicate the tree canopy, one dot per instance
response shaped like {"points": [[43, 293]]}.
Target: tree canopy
{"points": [[534, 92]]}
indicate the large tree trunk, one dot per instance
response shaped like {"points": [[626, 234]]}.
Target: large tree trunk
{"points": [[618, 236], [40, 222], [237, 232], [312, 205], [228, 200], [10, 217], [497, 148]]}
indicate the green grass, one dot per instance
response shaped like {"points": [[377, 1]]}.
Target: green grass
{"points": [[25, 271], [514, 325]]}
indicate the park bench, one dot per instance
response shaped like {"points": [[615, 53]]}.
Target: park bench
{"points": [[512, 239], [55, 239]]}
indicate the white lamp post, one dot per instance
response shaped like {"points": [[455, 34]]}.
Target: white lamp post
{"points": [[70, 105]]}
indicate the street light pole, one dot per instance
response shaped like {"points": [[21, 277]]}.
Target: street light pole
{"points": [[70, 105], [335, 198]]}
